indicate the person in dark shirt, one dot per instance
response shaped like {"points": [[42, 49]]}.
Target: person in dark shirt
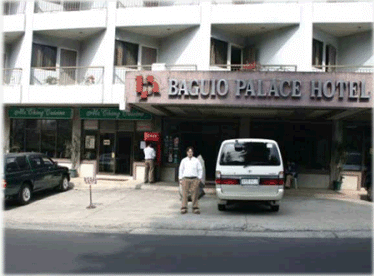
{"points": [[290, 173]]}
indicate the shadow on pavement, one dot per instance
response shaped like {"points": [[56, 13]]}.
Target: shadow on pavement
{"points": [[13, 203]]}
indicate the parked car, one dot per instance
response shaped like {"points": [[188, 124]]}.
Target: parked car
{"points": [[249, 170], [26, 173]]}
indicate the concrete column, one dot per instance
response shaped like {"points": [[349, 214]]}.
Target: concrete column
{"points": [[5, 126], [205, 34], [305, 36], [24, 50], [108, 52], [337, 137], [76, 134], [244, 128]]}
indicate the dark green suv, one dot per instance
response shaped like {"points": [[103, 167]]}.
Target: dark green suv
{"points": [[26, 173]]}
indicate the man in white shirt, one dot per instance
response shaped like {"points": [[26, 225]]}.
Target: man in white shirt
{"points": [[149, 156], [190, 175]]}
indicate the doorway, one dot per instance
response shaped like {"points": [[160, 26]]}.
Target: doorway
{"points": [[107, 153], [123, 153]]}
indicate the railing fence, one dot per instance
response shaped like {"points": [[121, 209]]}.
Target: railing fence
{"points": [[55, 6], [12, 76]]}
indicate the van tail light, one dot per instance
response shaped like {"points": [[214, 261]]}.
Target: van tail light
{"points": [[4, 183], [272, 181], [227, 181]]}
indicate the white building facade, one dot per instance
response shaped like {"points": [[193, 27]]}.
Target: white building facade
{"points": [[70, 72]]}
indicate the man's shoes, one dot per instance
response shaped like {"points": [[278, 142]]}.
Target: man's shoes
{"points": [[183, 211], [196, 211], [145, 182]]}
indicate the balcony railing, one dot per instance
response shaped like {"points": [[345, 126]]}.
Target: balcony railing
{"points": [[253, 67], [120, 71], [242, 2], [14, 7], [59, 6], [12, 76], [154, 3], [345, 68], [67, 75]]}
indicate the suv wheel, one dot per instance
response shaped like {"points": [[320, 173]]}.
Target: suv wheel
{"points": [[274, 208], [370, 194], [24, 195], [221, 207], [64, 184]]}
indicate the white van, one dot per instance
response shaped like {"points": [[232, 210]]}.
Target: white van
{"points": [[249, 170]]}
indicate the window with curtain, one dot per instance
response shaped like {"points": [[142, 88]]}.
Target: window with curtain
{"points": [[43, 56], [317, 53], [125, 53], [218, 51], [330, 58], [149, 56]]}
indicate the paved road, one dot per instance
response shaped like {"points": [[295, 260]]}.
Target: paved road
{"points": [[28, 251]]}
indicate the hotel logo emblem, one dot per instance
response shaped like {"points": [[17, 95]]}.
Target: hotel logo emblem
{"points": [[146, 88]]}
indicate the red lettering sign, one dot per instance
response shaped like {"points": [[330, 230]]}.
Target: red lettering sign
{"points": [[145, 93]]}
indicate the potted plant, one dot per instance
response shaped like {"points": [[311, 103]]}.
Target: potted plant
{"points": [[340, 160], [72, 151], [51, 80]]}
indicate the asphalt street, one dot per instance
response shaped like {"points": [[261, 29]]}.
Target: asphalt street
{"points": [[29, 251]]}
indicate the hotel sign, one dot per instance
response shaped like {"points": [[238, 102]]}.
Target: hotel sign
{"points": [[39, 113], [257, 89], [112, 114], [277, 88]]}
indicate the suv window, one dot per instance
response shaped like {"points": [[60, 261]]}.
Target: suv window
{"points": [[251, 154], [47, 162], [11, 165], [22, 163], [36, 162]]}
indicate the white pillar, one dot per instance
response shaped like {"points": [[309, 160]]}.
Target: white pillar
{"points": [[108, 52], [305, 37], [205, 34], [25, 51]]}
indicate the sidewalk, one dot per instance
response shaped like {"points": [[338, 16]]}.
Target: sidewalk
{"points": [[79, 184]]}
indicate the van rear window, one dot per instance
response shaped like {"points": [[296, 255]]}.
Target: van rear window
{"points": [[250, 154]]}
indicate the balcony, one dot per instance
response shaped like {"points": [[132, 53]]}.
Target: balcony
{"points": [[67, 76], [12, 85], [253, 67], [62, 6], [119, 76], [242, 2], [14, 17], [57, 85], [69, 15], [12, 76], [154, 3], [344, 68]]}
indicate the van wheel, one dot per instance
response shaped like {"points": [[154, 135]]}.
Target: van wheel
{"points": [[274, 208], [24, 195], [221, 207]]}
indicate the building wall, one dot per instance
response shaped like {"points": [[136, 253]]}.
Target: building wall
{"points": [[181, 48], [357, 49]]}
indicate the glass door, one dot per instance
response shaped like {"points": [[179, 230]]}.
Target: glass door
{"points": [[107, 153], [124, 153]]}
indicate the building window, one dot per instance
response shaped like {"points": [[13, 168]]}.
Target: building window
{"points": [[51, 137], [43, 56], [330, 58], [218, 52], [126, 53], [317, 53], [149, 56]]}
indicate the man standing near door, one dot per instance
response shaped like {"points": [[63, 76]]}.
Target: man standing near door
{"points": [[149, 156]]}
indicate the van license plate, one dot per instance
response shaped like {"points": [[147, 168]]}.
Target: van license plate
{"points": [[252, 181]]}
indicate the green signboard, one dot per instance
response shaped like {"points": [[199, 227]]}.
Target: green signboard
{"points": [[40, 113], [112, 114]]}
